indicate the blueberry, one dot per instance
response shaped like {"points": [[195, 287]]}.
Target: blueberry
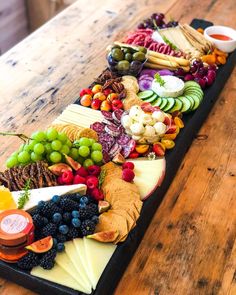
{"points": [[63, 229], [75, 214], [76, 222], [54, 243], [60, 247], [95, 219], [45, 220], [56, 218], [56, 199], [84, 200], [41, 204], [82, 205]]}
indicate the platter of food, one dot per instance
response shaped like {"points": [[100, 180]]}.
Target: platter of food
{"points": [[77, 198]]}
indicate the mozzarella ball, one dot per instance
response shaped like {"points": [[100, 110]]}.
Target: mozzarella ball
{"points": [[146, 119], [135, 112], [149, 131], [158, 116], [126, 121], [136, 137], [137, 129], [160, 128]]}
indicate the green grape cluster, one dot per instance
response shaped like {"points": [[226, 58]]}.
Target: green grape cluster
{"points": [[51, 146]]}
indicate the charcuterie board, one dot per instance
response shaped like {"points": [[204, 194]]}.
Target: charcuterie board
{"points": [[124, 252]]}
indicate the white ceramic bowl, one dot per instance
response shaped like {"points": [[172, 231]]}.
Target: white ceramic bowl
{"points": [[226, 46]]}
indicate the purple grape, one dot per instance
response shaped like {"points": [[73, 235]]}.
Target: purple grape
{"points": [[193, 69], [201, 82], [199, 75], [188, 77], [159, 22], [154, 16], [161, 16], [211, 74], [203, 71], [141, 26], [198, 63], [164, 26], [180, 72], [212, 68]]}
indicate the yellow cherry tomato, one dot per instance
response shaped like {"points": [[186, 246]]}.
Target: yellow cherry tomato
{"points": [[141, 149], [179, 122], [171, 136], [168, 143]]}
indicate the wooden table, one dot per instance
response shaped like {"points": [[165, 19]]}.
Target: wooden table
{"points": [[190, 246]]}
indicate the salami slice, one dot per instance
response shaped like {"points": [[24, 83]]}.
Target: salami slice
{"points": [[107, 122], [117, 115], [115, 150], [114, 131], [106, 138], [126, 151], [98, 127], [123, 139], [106, 157], [107, 115]]}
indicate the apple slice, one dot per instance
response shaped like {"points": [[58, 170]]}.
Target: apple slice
{"points": [[149, 174]]}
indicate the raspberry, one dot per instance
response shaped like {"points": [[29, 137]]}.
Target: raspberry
{"points": [[128, 165], [128, 175], [79, 180], [67, 177], [59, 180], [81, 172], [94, 170], [92, 182], [97, 194]]}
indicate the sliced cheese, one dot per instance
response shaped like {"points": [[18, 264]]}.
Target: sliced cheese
{"points": [[98, 254], [63, 260], [46, 193], [57, 275], [76, 261]]}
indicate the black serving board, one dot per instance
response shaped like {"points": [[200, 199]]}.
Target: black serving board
{"points": [[124, 252]]}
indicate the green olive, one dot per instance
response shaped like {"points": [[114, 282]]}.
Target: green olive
{"points": [[140, 56], [115, 46], [123, 65], [126, 50], [142, 49], [117, 54], [128, 56]]}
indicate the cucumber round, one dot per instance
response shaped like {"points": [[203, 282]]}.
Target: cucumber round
{"points": [[157, 102], [152, 98], [186, 104], [170, 104], [164, 103], [145, 94], [177, 107]]}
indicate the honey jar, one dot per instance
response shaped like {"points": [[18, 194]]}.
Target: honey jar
{"points": [[16, 232]]}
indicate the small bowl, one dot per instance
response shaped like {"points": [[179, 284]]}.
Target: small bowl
{"points": [[224, 45]]}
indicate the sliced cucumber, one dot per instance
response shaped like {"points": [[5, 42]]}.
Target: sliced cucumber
{"points": [[191, 83], [177, 107], [145, 94], [197, 102], [194, 93], [186, 104], [164, 103], [152, 98], [170, 104], [191, 100], [157, 102]]}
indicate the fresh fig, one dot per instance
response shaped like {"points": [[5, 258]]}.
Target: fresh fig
{"points": [[59, 168], [41, 246], [73, 164], [105, 236], [118, 159], [103, 206]]}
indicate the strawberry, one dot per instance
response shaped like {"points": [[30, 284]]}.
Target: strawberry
{"points": [[67, 177], [128, 175], [82, 172], [128, 165], [79, 179], [91, 182], [94, 170]]}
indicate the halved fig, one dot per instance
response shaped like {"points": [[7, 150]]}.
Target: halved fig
{"points": [[41, 246], [103, 206], [104, 236], [73, 164], [59, 168]]}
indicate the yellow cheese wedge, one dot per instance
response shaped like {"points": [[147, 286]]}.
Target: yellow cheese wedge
{"points": [[57, 275], [64, 262], [98, 254], [76, 261]]}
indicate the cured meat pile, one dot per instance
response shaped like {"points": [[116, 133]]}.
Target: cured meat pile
{"points": [[143, 37], [112, 136]]}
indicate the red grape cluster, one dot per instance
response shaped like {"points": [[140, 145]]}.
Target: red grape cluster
{"points": [[203, 75], [156, 21]]}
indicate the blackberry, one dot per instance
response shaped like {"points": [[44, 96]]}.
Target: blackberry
{"points": [[48, 259], [49, 230], [61, 238], [38, 220], [28, 261], [84, 213], [73, 233], [67, 217], [75, 197], [92, 209], [87, 227], [50, 208], [67, 204]]}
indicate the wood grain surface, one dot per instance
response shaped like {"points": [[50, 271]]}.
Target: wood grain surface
{"points": [[190, 246]]}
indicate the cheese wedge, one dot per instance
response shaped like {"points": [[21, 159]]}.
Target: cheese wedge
{"points": [[98, 254], [57, 275], [46, 193], [76, 261], [63, 260]]}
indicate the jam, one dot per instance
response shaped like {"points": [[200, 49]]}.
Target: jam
{"points": [[221, 37], [16, 232]]}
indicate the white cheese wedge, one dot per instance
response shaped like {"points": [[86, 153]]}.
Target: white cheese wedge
{"points": [[63, 260], [149, 174], [57, 275], [76, 261], [98, 255], [173, 87], [46, 193]]}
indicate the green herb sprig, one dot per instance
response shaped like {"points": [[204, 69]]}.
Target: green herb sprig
{"points": [[167, 41], [24, 196], [101, 178], [159, 79]]}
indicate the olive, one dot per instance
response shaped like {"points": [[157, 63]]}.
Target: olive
{"points": [[142, 49], [128, 56], [117, 54], [111, 60], [140, 56], [126, 50], [135, 66], [123, 65], [115, 46]]}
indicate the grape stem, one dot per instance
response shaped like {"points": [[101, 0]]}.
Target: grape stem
{"points": [[20, 135]]}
